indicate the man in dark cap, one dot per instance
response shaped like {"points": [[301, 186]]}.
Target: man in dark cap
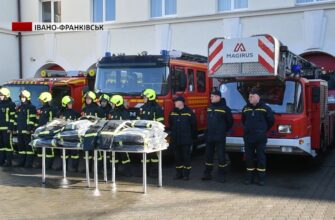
{"points": [[219, 121], [257, 119], [182, 124]]}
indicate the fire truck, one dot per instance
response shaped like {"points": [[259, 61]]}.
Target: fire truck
{"points": [[290, 85], [58, 83], [170, 74]]}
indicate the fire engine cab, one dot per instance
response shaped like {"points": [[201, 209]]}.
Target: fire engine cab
{"points": [[290, 85], [58, 83], [171, 73]]}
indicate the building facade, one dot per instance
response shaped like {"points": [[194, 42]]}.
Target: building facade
{"points": [[307, 27]]}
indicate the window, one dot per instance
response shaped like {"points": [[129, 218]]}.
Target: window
{"points": [[285, 98], [35, 91], [178, 79], [51, 11], [190, 79], [131, 80], [201, 81], [230, 5], [160, 8], [310, 1], [103, 10]]}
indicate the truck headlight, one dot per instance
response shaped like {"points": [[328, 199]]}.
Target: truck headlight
{"points": [[285, 129]]}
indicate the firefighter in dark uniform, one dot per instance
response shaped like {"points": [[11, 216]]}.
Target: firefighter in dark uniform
{"points": [[91, 109], [25, 126], [119, 112], [45, 114], [105, 107], [68, 113], [219, 121], [183, 127], [7, 119], [151, 110], [257, 119]]}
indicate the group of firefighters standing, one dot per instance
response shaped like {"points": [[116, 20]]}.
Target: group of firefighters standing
{"points": [[22, 120], [257, 119]]}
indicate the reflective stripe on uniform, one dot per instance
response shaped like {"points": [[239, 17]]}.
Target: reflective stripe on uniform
{"points": [[188, 168], [261, 170], [186, 114], [179, 167], [160, 119], [223, 165], [250, 169], [261, 109], [220, 110], [209, 164]]}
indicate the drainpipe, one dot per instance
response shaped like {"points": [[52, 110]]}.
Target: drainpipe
{"points": [[19, 39]]}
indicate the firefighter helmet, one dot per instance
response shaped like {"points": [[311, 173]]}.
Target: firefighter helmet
{"points": [[25, 94], [150, 94], [5, 92], [91, 95], [45, 97], [104, 97], [66, 100], [117, 100]]}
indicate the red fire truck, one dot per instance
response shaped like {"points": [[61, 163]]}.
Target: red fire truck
{"points": [[290, 85], [58, 83], [171, 73]]}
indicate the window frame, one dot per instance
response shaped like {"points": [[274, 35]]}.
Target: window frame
{"points": [[163, 14], [189, 70], [232, 7], [197, 72], [313, 2], [52, 12], [103, 13]]}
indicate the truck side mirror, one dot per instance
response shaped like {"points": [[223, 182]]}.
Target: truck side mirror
{"points": [[316, 95]]}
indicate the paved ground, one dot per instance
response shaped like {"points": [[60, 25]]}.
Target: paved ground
{"points": [[293, 191]]}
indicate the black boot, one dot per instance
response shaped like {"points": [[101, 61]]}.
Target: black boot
{"points": [[249, 178], [2, 158], [37, 164], [153, 170], [72, 165], [57, 163], [186, 174], [29, 161], [261, 178], [82, 165], [9, 158], [222, 174], [48, 163], [126, 170], [179, 174]]}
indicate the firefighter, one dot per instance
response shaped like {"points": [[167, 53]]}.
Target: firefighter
{"points": [[105, 107], [45, 114], [119, 112], [68, 113], [91, 109], [257, 119], [219, 121], [183, 127], [25, 125], [7, 119], [151, 110]]}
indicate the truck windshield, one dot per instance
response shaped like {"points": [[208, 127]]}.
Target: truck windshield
{"points": [[283, 98], [132, 81], [35, 91]]}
